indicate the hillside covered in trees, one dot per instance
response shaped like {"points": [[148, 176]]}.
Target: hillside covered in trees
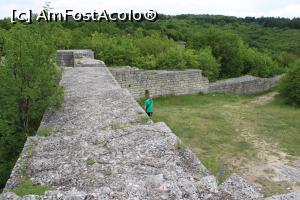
{"points": [[221, 46]]}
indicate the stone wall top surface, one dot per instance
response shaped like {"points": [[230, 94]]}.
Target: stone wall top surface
{"points": [[103, 146], [129, 69]]}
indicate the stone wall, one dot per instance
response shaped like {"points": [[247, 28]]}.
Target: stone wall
{"points": [[77, 58], [65, 58], [159, 82], [244, 85]]}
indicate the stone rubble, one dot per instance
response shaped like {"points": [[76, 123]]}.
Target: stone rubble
{"points": [[291, 196]]}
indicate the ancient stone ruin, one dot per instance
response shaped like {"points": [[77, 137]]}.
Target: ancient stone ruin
{"points": [[101, 145], [244, 85], [161, 82]]}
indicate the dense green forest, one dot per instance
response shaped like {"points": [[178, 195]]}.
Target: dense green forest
{"points": [[221, 46]]}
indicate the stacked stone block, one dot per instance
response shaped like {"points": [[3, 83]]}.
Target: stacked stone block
{"points": [[65, 58], [77, 58], [160, 83], [244, 85]]}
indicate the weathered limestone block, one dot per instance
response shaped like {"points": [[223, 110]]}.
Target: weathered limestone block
{"points": [[77, 58], [290, 196], [240, 188], [88, 62], [65, 58]]}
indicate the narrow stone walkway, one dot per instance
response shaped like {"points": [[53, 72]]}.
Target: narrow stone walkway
{"points": [[103, 145]]}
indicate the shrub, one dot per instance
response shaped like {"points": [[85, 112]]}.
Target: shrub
{"points": [[114, 50], [259, 64], [2, 35], [153, 45], [290, 85], [146, 62], [209, 64], [225, 46], [28, 86], [172, 59]]}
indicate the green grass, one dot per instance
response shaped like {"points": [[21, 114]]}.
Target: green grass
{"points": [[70, 133], [281, 124], [44, 132], [31, 151], [272, 188], [97, 142], [119, 126], [180, 145], [108, 172], [26, 187], [141, 120], [198, 121], [90, 162], [205, 123]]}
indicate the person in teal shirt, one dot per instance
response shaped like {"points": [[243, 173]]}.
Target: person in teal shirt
{"points": [[149, 106]]}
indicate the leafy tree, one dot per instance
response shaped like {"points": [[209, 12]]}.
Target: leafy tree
{"points": [[79, 39], [208, 64], [290, 85], [146, 62], [5, 23], [154, 44], [114, 50], [225, 46], [31, 61], [2, 36], [260, 64], [173, 58], [64, 39], [284, 59], [28, 85]]}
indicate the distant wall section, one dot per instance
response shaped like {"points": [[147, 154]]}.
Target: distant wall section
{"points": [[159, 82], [244, 85], [65, 58], [77, 58]]}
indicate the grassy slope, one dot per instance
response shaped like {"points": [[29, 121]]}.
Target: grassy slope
{"points": [[208, 125], [280, 123]]}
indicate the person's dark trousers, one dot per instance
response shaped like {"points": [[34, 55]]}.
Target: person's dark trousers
{"points": [[149, 114]]}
